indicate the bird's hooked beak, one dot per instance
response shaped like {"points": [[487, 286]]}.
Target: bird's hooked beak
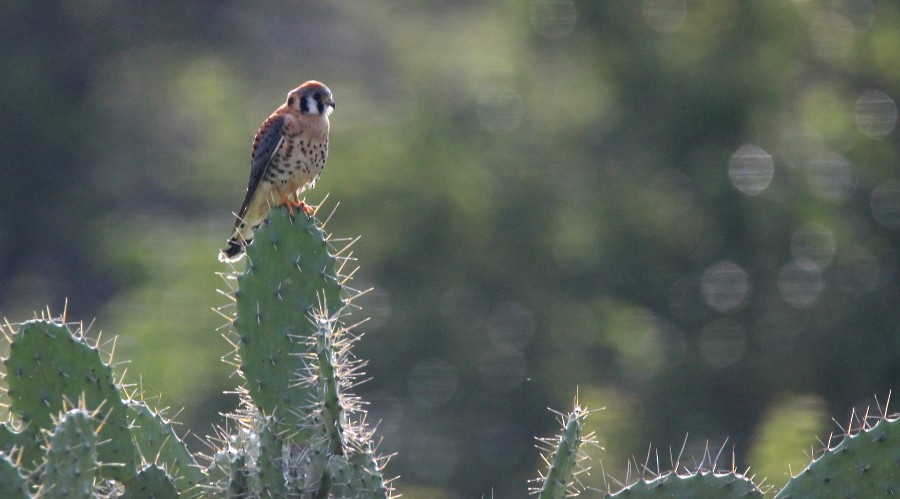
{"points": [[329, 101]]}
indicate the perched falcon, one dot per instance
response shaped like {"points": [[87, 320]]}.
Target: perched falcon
{"points": [[289, 153]]}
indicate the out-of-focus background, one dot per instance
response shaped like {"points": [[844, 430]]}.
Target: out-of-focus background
{"points": [[687, 211]]}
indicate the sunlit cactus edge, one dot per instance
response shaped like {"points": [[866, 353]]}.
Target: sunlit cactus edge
{"points": [[76, 427]]}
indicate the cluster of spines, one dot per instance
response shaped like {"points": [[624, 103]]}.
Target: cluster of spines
{"points": [[861, 461], [706, 478], [12, 482], [111, 444], [52, 363], [71, 463], [286, 321], [564, 457]]}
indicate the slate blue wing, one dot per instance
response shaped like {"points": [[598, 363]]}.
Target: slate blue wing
{"points": [[265, 147]]}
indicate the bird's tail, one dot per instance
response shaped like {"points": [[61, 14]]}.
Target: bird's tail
{"points": [[251, 216], [237, 244]]}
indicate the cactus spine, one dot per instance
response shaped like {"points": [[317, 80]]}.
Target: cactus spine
{"points": [[864, 464], [564, 457], [292, 348], [299, 432], [71, 464], [48, 368]]}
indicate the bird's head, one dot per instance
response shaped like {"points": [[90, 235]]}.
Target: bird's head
{"points": [[311, 98]]}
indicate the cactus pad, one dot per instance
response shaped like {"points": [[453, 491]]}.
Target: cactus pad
{"points": [[864, 464], [48, 366], [290, 271]]}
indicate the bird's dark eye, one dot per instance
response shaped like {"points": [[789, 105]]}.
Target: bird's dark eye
{"points": [[291, 101], [317, 96]]}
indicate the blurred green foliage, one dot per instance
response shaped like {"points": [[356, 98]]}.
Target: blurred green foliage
{"points": [[550, 194]]}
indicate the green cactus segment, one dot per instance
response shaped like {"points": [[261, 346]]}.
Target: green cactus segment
{"points": [[25, 442], [558, 481], [329, 385], [340, 479], [71, 463], [10, 438], [12, 483], [233, 473], [228, 475], [47, 366], [314, 462], [150, 483], [861, 465], [157, 443], [366, 477], [355, 478], [270, 463], [239, 484], [700, 485], [218, 474], [289, 273]]}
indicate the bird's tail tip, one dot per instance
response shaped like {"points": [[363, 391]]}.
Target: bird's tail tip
{"points": [[233, 252]]}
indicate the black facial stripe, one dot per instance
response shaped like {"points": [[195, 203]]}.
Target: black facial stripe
{"points": [[304, 105], [321, 106]]}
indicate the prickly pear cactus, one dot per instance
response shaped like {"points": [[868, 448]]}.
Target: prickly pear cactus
{"points": [[51, 368], [12, 484], [864, 464], [73, 432], [48, 367], [156, 440], [291, 270], [298, 417], [151, 482], [698, 485], [71, 464], [271, 462], [564, 457]]}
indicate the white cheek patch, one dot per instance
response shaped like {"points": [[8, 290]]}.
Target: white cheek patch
{"points": [[311, 105], [328, 110]]}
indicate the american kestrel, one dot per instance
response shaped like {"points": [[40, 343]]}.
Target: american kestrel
{"points": [[289, 153]]}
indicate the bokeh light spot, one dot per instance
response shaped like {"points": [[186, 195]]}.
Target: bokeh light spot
{"points": [[502, 369], [886, 204], [722, 343], [635, 334], [499, 109], [665, 16], [858, 271], [751, 169], [553, 18], [463, 305], [378, 305], [800, 283], [511, 324], [876, 113], [432, 382], [787, 424], [830, 177], [435, 456], [813, 242], [725, 285], [831, 35], [859, 13], [776, 332], [686, 301]]}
